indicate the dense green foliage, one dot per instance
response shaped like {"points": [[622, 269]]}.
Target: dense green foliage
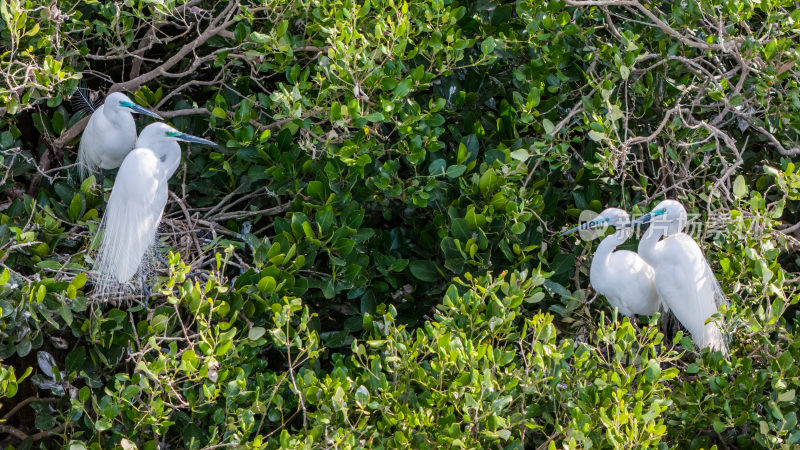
{"points": [[370, 258]]}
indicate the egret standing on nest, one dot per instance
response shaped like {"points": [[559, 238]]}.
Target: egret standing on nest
{"points": [[110, 134], [622, 276], [684, 279], [136, 203]]}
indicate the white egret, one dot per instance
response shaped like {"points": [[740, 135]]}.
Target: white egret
{"points": [[622, 276], [110, 134], [684, 279], [136, 203]]}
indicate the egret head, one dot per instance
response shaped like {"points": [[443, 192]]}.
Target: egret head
{"points": [[161, 132], [610, 217], [117, 101], [669, 214]]}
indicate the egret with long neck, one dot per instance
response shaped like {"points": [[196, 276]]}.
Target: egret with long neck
{"points": [[683, 277], [110, 134], [621, 276], [137, 202]]}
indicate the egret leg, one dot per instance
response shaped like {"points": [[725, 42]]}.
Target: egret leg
{"points": [[147, 293], [161, 258], [147, 290], [669, 324], [101, 178]]}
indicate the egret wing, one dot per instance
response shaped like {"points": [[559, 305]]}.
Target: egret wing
{"points": [[131, 217], [634, 281], [687, 285], [678, 297], [89, 146]]}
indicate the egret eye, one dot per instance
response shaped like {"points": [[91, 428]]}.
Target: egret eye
{"points": [[663, 210]]}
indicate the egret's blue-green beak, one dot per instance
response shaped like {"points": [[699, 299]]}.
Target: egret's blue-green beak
{"points": [[140, 109], [640, 221], [647, 218], [586, 226], [189, 138]]}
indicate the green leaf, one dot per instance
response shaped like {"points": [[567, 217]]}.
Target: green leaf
{"points": [[44, 421], [335, 111], [102, 425], [418, 73], [624, 72], [267, 285], [556, 288], [424, 270], [402, 89], [521, 154], [437, 167], [240, 32], [653, 371], [255, 333], [24, 347], [362, 394], [596, 136], [218, 112], [455, 171], [84, 394], [535, 298], [770, 49], [739, 187], [786, 396], [159, 323], [76, 207], [189, 355], [375, 117], [315, 189], [487, 181], [548, 126], [259, 38], [79, 281], [488, 45]]}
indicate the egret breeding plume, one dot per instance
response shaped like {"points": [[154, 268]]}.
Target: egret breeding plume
{"points": [[110, 134], [137, 201], [683, 278], [622, 276]]}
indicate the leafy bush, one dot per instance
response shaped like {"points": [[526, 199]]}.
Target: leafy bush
{"points": [[370, 258]]}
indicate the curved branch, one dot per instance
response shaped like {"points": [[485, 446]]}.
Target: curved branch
{"points": [[775, 142], [217, 26], [28, 400], [657, 22]]}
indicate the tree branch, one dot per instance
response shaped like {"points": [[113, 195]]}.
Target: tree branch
{"points": [[775, 142], [217, 25]]}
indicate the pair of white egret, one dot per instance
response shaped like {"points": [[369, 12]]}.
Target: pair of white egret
{"points": [[671, 271], [131, 218]]}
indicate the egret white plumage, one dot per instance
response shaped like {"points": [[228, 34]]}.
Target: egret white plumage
{"points": [[137, 201], [683, 277], [110, 134], [622, 276]]}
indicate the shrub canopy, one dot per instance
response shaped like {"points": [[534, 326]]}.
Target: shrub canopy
{"points": [[371, 256]]}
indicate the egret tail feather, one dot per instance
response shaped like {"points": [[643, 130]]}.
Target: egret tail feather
{"points": [[86, 166], [81, 100], [128, 241], [715, 339], [719, 294]]}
